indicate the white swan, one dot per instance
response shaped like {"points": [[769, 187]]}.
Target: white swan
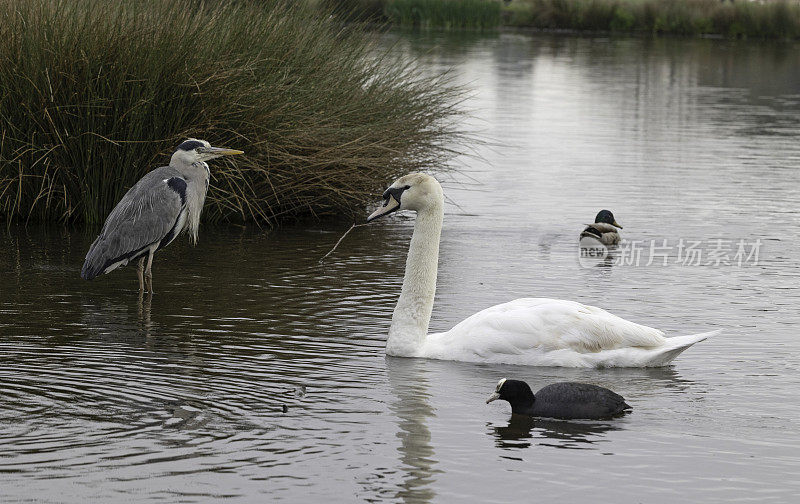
{"points": [[527, 331]]}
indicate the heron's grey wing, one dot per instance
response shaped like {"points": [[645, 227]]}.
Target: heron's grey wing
{"points": [[148, 214]]}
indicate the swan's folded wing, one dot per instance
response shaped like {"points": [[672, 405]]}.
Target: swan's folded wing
{"points": [[547, 324]]}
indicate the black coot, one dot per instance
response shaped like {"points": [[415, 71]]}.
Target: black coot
{"points": [[566, 400]]}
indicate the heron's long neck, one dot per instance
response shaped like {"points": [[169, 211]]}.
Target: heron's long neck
{"points": [[197, 176], [413, 311]]}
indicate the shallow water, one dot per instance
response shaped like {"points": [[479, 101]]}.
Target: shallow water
{"points": [[179, 398]]}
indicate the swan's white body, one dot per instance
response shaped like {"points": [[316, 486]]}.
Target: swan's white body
{"points": [[554, 332], [526, 331]]}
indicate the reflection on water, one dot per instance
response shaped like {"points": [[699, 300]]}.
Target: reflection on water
{"points": [[523, 431], [408, 383], [145, 305], [107, 397]]}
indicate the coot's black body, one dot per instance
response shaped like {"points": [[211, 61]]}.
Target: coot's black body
{"points": [[565, 400]]}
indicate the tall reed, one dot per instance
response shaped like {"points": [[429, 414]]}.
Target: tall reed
{"points": [[94, 93]]}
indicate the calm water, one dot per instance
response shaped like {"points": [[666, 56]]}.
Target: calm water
{"points": [[104, 398]]}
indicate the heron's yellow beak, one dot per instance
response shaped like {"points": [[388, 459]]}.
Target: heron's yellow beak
{"points": [[222, 151]]}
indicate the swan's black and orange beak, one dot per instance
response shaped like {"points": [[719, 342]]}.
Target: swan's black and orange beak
{"points": [[391, 203]]}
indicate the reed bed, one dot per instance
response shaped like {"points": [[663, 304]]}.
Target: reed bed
{"points": [[95, 93], [426, 14], [353, 10], [742, 19], [769, 19], [447, 14]]}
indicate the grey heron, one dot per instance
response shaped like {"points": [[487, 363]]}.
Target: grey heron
{"points": [[162, 204]]}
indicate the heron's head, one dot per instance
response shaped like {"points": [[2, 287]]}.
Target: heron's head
{"points": [[513, 391], [415, 191], [193, 150], [607, 217]]}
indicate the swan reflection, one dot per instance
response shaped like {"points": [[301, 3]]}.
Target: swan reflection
{"points": [[409, 386]]}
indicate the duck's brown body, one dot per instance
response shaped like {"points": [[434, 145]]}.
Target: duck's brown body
{"points": [[604, 233]]}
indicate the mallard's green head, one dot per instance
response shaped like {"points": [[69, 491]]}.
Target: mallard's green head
{"points": [[607, 217]]}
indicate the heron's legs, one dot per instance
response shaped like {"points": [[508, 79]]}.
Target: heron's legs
{"points": [[140, 273], [148, 275]]}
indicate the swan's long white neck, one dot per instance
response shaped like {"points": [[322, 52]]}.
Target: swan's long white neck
{"points": [[413, 311]]}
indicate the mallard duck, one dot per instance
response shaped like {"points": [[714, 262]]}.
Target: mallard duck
{"points": [[604, 229]]}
